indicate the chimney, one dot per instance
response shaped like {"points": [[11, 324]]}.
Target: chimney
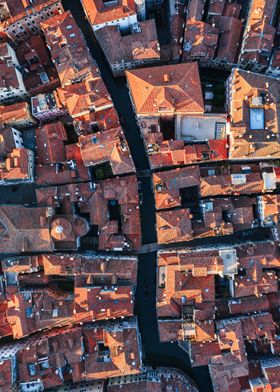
{"points": [[103, 266], [166, 77]]}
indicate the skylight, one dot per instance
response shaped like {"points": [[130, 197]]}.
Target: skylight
{"points": [[256, 118]]}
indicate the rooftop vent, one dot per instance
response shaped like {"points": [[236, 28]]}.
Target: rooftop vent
{"points": [[257, 101]]}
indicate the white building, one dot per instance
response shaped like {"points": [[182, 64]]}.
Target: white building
{"points": [[11, 80], [141, 9], [8, 364], [28, 23], [46, 107], [93, 386]]}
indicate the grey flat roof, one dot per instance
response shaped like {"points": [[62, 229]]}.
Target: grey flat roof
{"points": [[190, 128]]}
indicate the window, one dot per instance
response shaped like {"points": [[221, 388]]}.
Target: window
{"points": [[29, 312], [44, 364], [32, 369]]}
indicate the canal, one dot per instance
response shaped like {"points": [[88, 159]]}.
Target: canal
{"points": [[155, 353]]}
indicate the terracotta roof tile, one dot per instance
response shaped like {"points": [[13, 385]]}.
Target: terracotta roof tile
{"points": [[247, 305], [18, 166], [100, 303], [230, 33], [166, 89], [40, 74], [135, 46], [103, 119], [195, 9], [81, 98], [151, 380], [259, 32], [200, 40], [167, 185], [18, 9], [176, 287], [258, 325], [174, 226], [245, 141], [98, 13], [164, 153], [98, 202], [22, 231], [107, 146], [50, 140], [68, 48], [17, 115], [201, 353]]}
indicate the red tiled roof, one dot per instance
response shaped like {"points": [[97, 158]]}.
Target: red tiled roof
{"points": [[104, 119], [136, 46], [6, 369], [70, 171], [168, 184], [195, 9], [154, 380], [201, 353], [68, 48], [180, 287], [247, 305], [7, 142], [99, 303], [263, 284], [125, 234], [16, 114], [99, 13], [271, 369], [259, 33], [210, 181], [174, 330], [259, 325], [81, 98], [50, 140], [23, 230], [34, 58], [174, 226], [164, 153], [17, 166], [230, 33], [32, 311], [202, 38], [244, 141], [166, 89], [216, 7], [109, 270], [107, 146]]}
